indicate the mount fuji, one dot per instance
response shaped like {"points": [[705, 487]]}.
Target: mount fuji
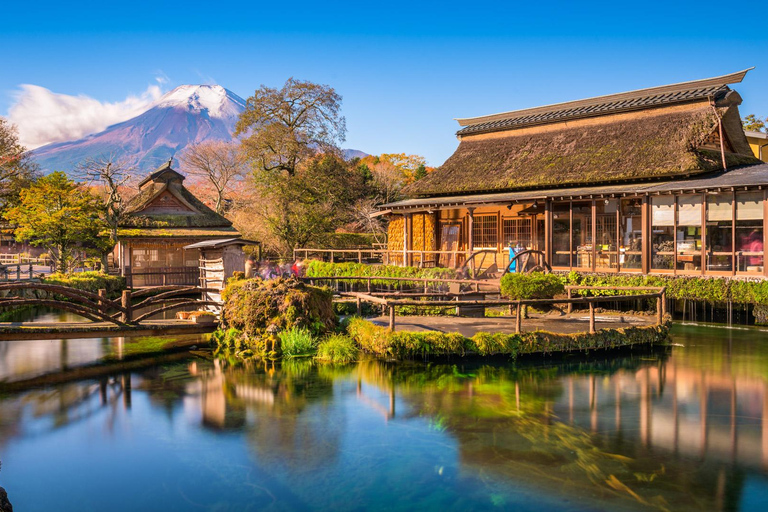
{"points": [[188, 114]]}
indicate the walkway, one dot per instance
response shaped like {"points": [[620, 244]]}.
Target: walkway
{"points": [[563, 324]]}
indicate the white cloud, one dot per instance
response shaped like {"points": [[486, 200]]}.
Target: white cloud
{"points": [[43, 116]]}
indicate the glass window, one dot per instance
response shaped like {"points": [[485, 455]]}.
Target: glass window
{"points": [[689, 233], [516, 232], [663, 232], [749, 232], [485, 231], [631, 246], [605, 225], [582, 233], [720, 232], [561, 235]]}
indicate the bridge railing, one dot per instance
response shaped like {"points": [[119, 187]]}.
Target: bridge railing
{"points": [[98, 307], [391, 303]]}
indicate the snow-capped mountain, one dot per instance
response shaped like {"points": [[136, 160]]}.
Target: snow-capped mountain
{"points": [[186, 115]]}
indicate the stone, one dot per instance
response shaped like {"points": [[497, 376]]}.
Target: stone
{"points": [[5, 505]]}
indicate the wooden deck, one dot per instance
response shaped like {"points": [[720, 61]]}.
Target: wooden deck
{"points": [[562, 324], [68, 330]]}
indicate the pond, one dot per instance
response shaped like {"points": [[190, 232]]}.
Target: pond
{"points": [[678, 428]]}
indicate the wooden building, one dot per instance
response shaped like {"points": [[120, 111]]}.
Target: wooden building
{"points": [[218, 261], [654, 180], [161, 220]]}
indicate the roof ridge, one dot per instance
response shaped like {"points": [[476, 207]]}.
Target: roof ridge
{"points": [[629, 96]]}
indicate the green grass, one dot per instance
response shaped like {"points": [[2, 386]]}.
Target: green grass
{"points": [[337, 348], [297, 342]]}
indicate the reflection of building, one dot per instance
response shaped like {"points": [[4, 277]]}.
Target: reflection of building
{"points": [[630, 182], [160, 221], [685, 411]]}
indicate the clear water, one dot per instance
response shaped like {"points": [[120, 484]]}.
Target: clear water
{"points": [[682, 428]]}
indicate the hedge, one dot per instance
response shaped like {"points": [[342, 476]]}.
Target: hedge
{"points": [[316, 268], [88, 281], [712, 290]]}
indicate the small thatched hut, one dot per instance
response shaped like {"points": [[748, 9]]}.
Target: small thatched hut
{"points": [[654, 180], [218, 261], [161, 220]]}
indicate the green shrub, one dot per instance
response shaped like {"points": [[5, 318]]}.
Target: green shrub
{"points": [[297, 342], [315, 268], [713, 290], [88, 281], [337, 348], [535, 285]]}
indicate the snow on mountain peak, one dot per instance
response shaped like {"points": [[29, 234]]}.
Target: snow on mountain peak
{"points": [[217, 101]]}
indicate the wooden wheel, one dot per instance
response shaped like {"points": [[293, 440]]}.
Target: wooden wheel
{"points": [[524, 261], [476, 263]]}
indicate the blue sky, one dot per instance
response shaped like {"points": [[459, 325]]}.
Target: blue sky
{"points": [[404, 69]]}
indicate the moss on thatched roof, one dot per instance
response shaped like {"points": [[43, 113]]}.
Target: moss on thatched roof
{"points": [[614, 149], [191, 233]]}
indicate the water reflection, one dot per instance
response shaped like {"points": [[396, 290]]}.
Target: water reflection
{"points": [[684, 428]]}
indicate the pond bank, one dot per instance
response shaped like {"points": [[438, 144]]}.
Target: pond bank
{"points": [[448, 340]]}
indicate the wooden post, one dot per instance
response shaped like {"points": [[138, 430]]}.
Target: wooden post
{"points": [[369, 285], [127, 315], [392, 318], [659, 314], [570, 304], [102, 297], [663, 299], [518, 318], [592, 318], [359, 256], [18, 270], [359, 306]]}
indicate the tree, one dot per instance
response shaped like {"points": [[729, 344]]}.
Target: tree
{"points": [[218, 163], [60, 216], [285, 127], [17, 170], [753, 123], [110, 175], [299, 208]]}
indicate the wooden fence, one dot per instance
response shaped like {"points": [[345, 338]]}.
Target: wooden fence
{"points": [[391, 303]]}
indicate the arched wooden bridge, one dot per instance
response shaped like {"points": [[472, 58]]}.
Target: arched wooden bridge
{"points": [[130, 313]]}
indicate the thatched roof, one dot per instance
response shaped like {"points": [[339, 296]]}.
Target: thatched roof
{"points": [[656, 144], [191, 212]]}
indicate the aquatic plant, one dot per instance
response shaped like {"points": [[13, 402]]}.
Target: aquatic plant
{"points": [[337, 348], [297, 342]]}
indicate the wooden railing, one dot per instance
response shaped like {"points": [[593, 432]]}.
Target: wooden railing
{"points": [[424, 282], [9, 259], [392, 303], [162, 276], [16, 272], [97, 307]]}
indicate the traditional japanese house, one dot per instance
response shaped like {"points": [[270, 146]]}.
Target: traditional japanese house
{"points": [[161, 220], [654, 180]]}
